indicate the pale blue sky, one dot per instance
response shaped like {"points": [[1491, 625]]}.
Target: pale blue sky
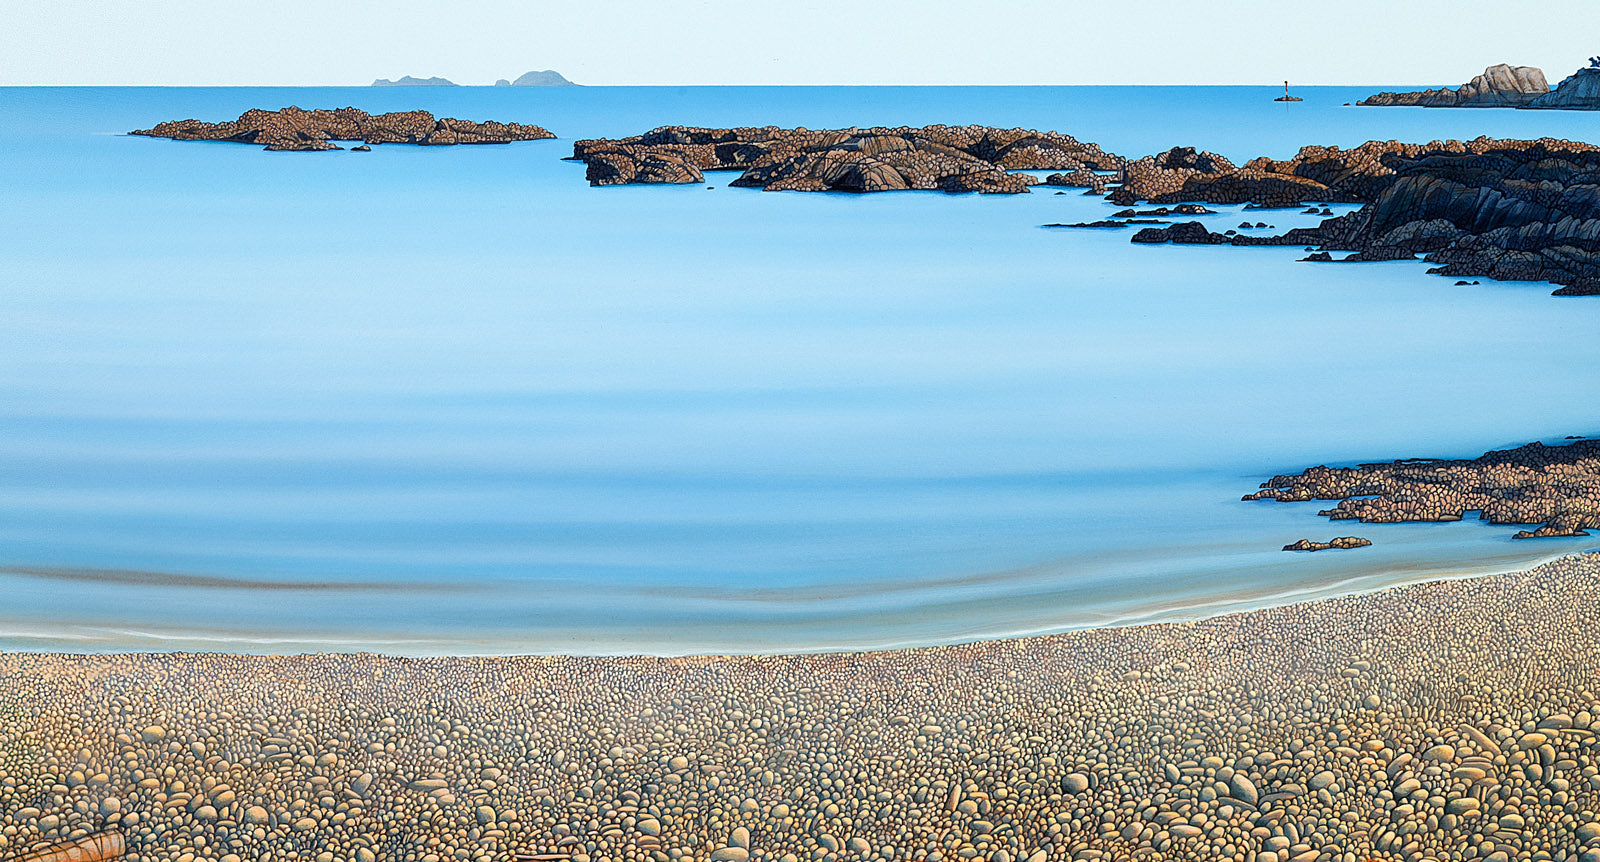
{"points": [[318, 42]]}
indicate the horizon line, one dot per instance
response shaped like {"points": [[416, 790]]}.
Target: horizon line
{"points": [[1274, 84]]}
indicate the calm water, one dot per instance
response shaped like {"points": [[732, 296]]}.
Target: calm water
{"points": [[453, 400]]}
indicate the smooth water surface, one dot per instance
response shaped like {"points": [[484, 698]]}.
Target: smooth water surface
{"points": [[436, 400]]}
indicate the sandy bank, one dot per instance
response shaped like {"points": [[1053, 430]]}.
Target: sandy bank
{"points": [[1447, 720]]}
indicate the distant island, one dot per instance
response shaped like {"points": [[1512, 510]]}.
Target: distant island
{"points": [[1505, 86], [409, 81], [544, 78], [541, 78]]}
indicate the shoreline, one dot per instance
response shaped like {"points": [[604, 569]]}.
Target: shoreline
{"points": [[1184, 612], [1451, 719]]}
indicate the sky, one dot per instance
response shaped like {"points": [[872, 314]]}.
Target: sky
{"points": [[700, 42]]}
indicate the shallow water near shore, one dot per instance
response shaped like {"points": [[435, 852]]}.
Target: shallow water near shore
{"points": [[452, 400]]}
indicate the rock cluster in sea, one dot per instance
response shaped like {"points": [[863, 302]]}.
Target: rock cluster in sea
{"points": [[1337, 543], [1445, 721], [1555, 487], [294, 128], [949, 158], [1506, 209], [1500, 86], [1316, 173]]}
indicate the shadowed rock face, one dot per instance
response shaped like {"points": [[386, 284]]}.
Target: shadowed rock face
{"points": [[301, 130], [1500, 86], [1579, 92], [1556, 487], [1510, 210], [949, 158]]}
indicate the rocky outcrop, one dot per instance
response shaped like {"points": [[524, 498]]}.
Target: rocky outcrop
{"points": [[296, 129], [1578, 92], [1500, 86], [409, 81], [544, 78], [1556, 487], [948, 158], [1505, 209], [1341, 543], [1510, 210], [1320, 174], [1083, 178]]}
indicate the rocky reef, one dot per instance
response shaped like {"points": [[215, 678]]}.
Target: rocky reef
{"points": [[1319, 174], [1315, 174], [947, 158], [1444, 721], [409, 81], [1554, 487], [1505, 209], [1500, 86], [1338, 543], [296, 129]]}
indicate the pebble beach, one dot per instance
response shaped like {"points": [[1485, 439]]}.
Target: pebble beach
{"points": [[1447, 720]]}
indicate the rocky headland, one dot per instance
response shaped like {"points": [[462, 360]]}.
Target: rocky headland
{"points": [[1579, 91], [1553, 489], [1505, 209], [1506, 86], [295, 129], [1500, 86], [947, 158], [1452, 720], [409, 81]]}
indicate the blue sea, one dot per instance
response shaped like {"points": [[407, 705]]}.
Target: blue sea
{"points": [[453, 400]]}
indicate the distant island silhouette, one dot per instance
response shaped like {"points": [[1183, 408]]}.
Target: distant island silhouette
{"points": [[409, 81], [541, 78], [544, 78]]}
